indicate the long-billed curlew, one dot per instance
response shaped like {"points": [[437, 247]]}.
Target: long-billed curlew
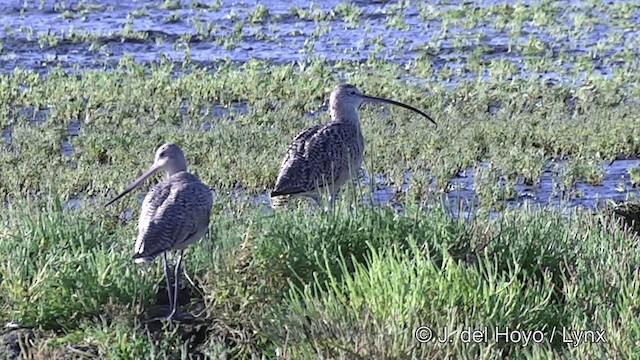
{"points": [[174, 213], [324, 156]]}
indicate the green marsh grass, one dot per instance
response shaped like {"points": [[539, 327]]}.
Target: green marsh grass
{"points": [[516, 126], [339, 284], [299, 283]]}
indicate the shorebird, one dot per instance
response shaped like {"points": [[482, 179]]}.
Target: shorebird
{"points": [[323, 157], [174, 214]]}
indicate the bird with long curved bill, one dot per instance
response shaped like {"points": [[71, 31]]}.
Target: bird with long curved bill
{"points": [[323, 157], [174, 214]]}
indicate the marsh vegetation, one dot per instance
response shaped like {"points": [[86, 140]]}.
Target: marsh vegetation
{"points": [[494, 219]]}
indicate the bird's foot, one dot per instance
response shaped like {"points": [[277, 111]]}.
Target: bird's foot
{"points": [[178, 316], [175, 317], [162, 313], [171, 315]]}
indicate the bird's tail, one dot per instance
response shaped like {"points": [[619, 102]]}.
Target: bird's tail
{"points": [[278, 201], [139, 258]]}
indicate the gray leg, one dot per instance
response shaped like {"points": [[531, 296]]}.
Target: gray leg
{"points": [[166, 276], [332, 202], [175, 286]]}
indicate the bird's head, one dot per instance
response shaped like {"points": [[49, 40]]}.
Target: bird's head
{"points": [[169, 157], [346, 99]]}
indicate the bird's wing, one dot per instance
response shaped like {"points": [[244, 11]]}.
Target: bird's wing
{"points": [[298, 145], [172, 212], [316, 155]]}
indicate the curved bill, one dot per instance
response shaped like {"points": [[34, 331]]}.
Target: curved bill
{"points": [[397, 103], [135, 183]]}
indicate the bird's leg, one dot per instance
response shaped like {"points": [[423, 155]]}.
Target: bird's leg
{"points": [[331, 203], [166, 276], [175, 285]]}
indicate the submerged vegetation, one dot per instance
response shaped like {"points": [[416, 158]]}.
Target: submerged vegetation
{"points": [[237, 120], [517, 94]]}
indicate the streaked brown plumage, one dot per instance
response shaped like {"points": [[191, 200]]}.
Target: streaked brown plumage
{"points": [[323, 157], [174, 214]]}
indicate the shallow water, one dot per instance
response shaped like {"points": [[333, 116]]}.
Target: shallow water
{"points": [[462, 200], [282, 36]]}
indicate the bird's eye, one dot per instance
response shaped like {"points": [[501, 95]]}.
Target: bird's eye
{"points": [[353, 92], [162, 154]]}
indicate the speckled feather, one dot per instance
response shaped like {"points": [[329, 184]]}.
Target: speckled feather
{"points": [[319, 155], [327, 155], [174, 214]]}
